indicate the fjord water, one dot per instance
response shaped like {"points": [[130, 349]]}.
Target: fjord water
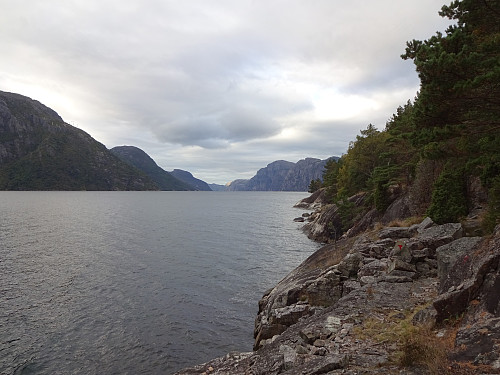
{"points": [[137, 282]]}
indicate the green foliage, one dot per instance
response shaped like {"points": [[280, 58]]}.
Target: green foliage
{"points": [[315, 185], [68, 159], [363, 156], [454, 121], [492, 218], [449, 202], [330, 176], [459, 101]]}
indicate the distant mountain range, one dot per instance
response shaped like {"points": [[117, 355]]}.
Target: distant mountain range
{"points": [[283, 176], [39, 151]]}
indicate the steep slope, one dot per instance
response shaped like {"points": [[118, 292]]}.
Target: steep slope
{"points": [[137, 158], [189, 179], [39, 151], [283, 175]]}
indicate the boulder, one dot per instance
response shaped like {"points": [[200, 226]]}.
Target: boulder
{"points": [[397, 210], [349, 266], [397, 264], [425, 224], [401, 251], [478, 336], [378, 249], [471, 276], [288, 315], [395, 232], [436, 236], [375, 268], [447, 255], [479, 343], [325, 290]]}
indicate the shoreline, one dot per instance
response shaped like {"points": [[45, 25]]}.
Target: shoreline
{"points": [[315, 319]]}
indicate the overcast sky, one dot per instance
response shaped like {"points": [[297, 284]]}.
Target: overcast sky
{"points": [[219, 88]]}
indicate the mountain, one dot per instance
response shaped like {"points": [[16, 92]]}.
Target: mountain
{"points": [[283, 175], [137, 158], [188, 178], [39, 151], [217, 187]]}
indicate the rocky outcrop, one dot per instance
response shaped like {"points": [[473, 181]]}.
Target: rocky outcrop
{"points": [[315, 201], [283, 175], [325, 224], [471, 294], [338, 269], [343, 311]]}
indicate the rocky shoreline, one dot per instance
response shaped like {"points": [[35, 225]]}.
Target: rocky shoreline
{"points": [[417, 299]]}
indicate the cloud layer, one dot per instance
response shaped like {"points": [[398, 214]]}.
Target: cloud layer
{"points": [[220, 88]]}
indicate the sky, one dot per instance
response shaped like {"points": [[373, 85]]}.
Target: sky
{"points": [[220, 88]]}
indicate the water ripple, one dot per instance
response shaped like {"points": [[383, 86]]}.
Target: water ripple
{"points": [[137, 283]]}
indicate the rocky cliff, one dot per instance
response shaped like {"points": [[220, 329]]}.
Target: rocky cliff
{"points": [[39, 151], [414, 299], [283, 176], [137, 158]]}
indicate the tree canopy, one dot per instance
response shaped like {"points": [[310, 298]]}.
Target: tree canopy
{"points": [[454, 121]]}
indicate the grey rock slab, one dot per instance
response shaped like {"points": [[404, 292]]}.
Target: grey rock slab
{"points": [[458, 250], [395, 232]]}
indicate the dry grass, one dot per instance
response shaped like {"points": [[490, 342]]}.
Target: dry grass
{"points": [[467, 368], [417, 346], [406, 222]]}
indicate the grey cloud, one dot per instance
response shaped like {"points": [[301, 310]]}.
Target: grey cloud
{"points": [[218, 130], [214, 83]]}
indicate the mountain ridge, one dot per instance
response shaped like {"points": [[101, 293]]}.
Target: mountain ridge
{"points": [[189, 179], [139, 159], [39, 151], [282, 175]]}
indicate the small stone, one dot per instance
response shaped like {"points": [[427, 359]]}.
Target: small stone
{"points": [[398, 264], [397, 279], [309, 334], [320, 351], [301, 349], [319, 343]]}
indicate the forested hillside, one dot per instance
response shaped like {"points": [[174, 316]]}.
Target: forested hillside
{"points": [[39, 151], [441, 149]]}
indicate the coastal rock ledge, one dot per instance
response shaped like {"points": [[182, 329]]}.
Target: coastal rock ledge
{"points": [[417, 300]]}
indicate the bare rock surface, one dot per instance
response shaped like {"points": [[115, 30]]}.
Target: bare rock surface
{"points": [[333, 313]]}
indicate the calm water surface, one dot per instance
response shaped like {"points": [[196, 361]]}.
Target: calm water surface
{"points": [[137, 282]]}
